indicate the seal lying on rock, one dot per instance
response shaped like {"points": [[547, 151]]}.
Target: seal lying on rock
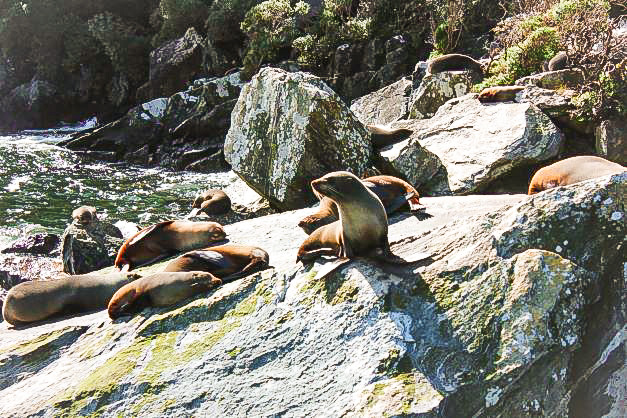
{"points": [[453, 62], [572, 170], [38, 300], [394, 193], [499, 93], [382, 136], [362, 229], [166, 239], [211, 202], [160, 289], [228, 262]]}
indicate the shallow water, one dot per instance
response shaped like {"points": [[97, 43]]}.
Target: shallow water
{"points": [[41, 183]]}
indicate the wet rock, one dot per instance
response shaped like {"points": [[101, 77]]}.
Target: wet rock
{"points": [[90, 247], [466, 145], [553, 80], [611, 140], [184, 131], [437, 89], [384, 106], [174, 64], [519, 309], [36, 244], [288, 129]]}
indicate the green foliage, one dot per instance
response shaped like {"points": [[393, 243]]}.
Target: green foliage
{"points": [[125, 44], [225, 17], [269, 26], [179, 15]]}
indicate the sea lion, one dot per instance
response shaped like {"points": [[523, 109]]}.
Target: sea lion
{"points": [[395, 194], [453, 62], [38, 300], [499, 93], [160, 289], [85, 215], [165, 239], [211, 202], [228, 262], [559, 62], [382, 136], [572, 170], [362, 229]]}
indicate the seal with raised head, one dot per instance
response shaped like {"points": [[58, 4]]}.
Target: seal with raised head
{"points": [[160, 289], [362, 229], [395, 194], [572, 170], [166, 239], [382, 136], [211, 202], [499, 93], [453, 62], [559, 62], [84, 215], [228, 262], [39, 300]]}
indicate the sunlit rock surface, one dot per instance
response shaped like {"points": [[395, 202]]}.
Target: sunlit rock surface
{"points": [[288, 129], [519, 312]]}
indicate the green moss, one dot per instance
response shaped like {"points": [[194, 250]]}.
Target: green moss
{"points": [[32, 346], [167, 404], [234, 352], [285, 317]]}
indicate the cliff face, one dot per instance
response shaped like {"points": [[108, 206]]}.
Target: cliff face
{"points": [[518, 312]]}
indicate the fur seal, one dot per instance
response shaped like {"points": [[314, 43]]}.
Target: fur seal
{"points": [[382, 136], [395, 194], [160, 289], [38, 300], [572, 170], [499, 93], [453, 62], [559, 62], [228, 262], [165, 239], [84, 215], [362, 229], [211, 202]]}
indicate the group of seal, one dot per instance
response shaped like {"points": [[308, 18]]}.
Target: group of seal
{"points": [[362, 228], [394, 193]]}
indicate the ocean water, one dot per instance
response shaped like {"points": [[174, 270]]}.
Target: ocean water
{"points": [[42, 183]]}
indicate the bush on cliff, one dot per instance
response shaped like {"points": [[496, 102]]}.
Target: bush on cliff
{"points": [[176, 16]]}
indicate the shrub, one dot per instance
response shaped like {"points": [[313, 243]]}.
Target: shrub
{"points": [[179, 15]]}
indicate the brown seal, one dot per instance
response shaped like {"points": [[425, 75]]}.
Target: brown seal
{"points": [[572, 170], [85, 215], [211, 202], [499, 93], [382, 136], [559, 62], [395, 194], [166, 239], [160, 289], [453, 62], [227, 262], [38, 300], [363, 226]]}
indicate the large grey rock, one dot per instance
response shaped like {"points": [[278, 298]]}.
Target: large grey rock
{"points": [[385, 105], [288, 129], [86, 248], [437, 89], [611, 140], [518, 313], [37, 244], [467, 145], [37, 104]]}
